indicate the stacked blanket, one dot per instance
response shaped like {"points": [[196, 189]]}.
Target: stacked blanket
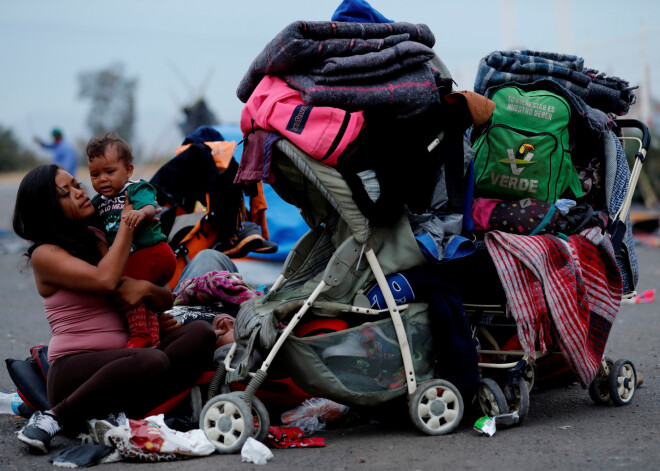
{"points": [[575, 286], [354, 66], [609, 94]]}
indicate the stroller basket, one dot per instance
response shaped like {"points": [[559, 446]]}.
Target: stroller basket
{"points": [[361, 365]]}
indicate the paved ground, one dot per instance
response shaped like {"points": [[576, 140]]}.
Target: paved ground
{"points": [[564, 429]]}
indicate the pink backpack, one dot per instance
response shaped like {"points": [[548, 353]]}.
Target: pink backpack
{"points": [[322, 132]]}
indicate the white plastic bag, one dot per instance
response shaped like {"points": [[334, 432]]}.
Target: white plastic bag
{"points": [[254, 451], [152, 436]]}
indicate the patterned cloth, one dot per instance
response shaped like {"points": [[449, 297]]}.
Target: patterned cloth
{"points": [[215, 286], [574, 286], [617, 179], [609, 94], [353, 66]]}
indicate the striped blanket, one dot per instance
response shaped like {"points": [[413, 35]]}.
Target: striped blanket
{"points": [[574, 286], [609, 94]]}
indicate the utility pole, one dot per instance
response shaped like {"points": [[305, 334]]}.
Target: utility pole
{"points": [[508, 24]]}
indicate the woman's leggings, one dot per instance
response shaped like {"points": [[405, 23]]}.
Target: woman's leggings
{"points": [[92, 385]]}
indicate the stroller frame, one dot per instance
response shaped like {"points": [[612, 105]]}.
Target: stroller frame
{"points": [[616, 381], [435, 406]]}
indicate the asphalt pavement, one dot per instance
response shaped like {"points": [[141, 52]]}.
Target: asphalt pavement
{"points": [[564, 428]]}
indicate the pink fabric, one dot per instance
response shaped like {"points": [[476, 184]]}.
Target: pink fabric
{"points": [[215, 286], [82, 322], [274, 106], [481, 211], [576, 284]]}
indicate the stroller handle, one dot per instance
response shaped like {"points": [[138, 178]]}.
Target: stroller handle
{"points": [[635, 123]]}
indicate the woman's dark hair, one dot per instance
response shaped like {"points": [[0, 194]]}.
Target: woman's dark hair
{"points": [[38, 217]]}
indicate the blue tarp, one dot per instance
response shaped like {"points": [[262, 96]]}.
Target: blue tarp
{"points": [[285, 224]]}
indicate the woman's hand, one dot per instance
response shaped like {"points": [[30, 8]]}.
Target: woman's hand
{"points": [[130, 293], [167, 323]]}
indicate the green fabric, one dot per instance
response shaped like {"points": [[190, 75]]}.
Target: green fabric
{"points": [[524, 152], [140, 194]]}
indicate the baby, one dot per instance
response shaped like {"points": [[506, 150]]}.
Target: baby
{"points": [[110, 163]]}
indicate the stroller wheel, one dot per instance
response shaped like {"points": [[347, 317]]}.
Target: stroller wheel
{"points": [[260, 418], [622, 382], [227, 422], [529, 375], [599, 389], [491, 398], [518, 398], [195, 402], [436, 407]]}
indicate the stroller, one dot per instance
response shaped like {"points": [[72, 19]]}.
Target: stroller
{"points": [[508, 372], [381, 355]]}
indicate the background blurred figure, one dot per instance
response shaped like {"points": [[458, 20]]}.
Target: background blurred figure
{"points": [[64, 154]]}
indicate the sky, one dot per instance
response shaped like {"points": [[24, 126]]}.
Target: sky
{"points": [[180, 51]]}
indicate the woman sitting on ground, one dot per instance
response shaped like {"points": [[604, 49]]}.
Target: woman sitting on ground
{"points": [[91, 373]]}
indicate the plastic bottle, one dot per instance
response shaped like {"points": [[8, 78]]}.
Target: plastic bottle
{"points": [[9, 403]]}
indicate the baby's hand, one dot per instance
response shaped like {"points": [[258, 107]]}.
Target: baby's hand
{"points": [[133, 218]]}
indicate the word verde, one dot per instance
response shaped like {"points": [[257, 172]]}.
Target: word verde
{"points": [[514, 183]]}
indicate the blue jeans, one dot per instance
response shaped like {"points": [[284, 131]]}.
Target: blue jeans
{"points": [[205, 261]]}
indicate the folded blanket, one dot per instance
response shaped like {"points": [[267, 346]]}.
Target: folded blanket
{"points": [[408, 94], [576, 285], [608, 94], [340, 49]]}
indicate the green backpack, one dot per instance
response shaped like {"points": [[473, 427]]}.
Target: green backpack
{"points": [[523, 153]]}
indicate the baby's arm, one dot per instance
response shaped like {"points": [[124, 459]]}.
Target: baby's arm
{"points": [[143, 197], [139, 216]]}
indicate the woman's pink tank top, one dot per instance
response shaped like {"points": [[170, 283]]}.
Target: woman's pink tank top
{"points": [[82, 322]]}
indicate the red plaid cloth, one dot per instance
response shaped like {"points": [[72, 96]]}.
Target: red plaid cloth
{"points": [[577, 284]]}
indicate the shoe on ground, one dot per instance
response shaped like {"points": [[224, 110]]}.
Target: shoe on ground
{"points": [[39, 430], [640, 379], [247, 239]]}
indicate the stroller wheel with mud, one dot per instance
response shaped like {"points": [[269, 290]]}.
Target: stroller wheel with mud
{"points": [[529, 375], [227, 422], [518, 398], [260, 419], [599, 389], [436, 407], [491, 398], [622, 382]]}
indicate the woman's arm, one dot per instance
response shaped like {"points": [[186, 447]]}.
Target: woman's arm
{"points": [[55, 268], [132, 292]]}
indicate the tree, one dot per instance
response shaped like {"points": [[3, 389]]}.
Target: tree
{"points": [[113, 101], [12, 155]]}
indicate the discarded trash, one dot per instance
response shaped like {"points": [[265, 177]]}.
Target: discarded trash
{"points": [[150, 439], [291, 437], [646, 297], [312, 415], [9, 403], [485, 426], [507, 419], [254, 451], [488, 425]]}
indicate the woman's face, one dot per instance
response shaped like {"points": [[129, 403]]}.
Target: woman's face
{"points": [[73, 200]]}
